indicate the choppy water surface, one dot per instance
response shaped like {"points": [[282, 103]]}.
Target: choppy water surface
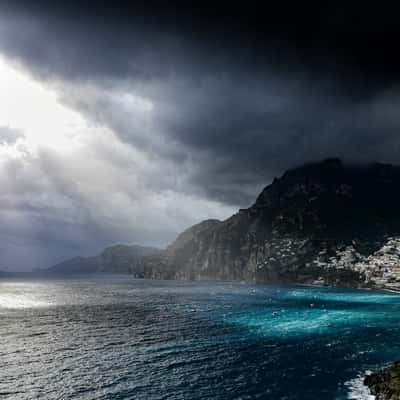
{"points": [[119, 338]]}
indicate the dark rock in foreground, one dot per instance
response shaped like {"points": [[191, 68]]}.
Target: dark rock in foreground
{"points": [[385, 384]]}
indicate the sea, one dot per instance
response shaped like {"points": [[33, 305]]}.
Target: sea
{"points": [[113, 337]]}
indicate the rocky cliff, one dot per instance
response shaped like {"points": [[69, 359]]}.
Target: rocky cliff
{"points": [[385, 384], [326, 223], [322, 223]]}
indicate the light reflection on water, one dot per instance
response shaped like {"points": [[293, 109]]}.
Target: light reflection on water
{"points": [[114, 338], [15, 295]]}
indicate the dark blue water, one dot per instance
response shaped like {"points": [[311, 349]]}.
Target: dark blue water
{"points": [[119, 338]]}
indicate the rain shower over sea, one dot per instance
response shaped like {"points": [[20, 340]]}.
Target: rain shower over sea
{"points": [[114, 338]]}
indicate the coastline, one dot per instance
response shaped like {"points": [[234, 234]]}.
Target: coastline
{"points": [[36, 275], [358, 390], [385, 383], [391, 290], [368, 289]]}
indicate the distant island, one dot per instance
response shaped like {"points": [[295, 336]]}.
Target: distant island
{"points": [[325, 223], [118, 259]]}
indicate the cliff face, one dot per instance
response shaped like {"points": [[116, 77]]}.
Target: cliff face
{"points": [[325, 222]]}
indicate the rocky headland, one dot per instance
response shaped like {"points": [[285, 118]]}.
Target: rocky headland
{"points": [[385, 384], [325, 223]]}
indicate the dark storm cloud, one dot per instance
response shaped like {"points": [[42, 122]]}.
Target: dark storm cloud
{"points": [[241, 92], [354, 42], [218, 98]]}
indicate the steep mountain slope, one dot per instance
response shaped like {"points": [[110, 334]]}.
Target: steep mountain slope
{"points": [[324, 222]]}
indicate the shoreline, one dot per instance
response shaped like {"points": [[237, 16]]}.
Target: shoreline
{"points": [[29, 274], [384, 384], [367, 289], [391, 290]]}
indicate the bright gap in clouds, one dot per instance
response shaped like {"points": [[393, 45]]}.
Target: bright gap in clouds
{"points": [[71, 186], [29, 107]]}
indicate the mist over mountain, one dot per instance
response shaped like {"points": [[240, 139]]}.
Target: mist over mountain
{"points": [[116, 259]]}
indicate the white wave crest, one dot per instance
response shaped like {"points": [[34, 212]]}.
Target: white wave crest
{"points": [[357, 389]]}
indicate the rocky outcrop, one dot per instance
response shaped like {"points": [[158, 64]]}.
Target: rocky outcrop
{"points": [[324, 223], [385, 384]]}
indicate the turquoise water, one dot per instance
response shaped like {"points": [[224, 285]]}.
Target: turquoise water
{"points": [[120, 338]]}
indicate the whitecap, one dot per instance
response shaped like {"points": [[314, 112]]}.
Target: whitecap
{"points": [[357, 389]]}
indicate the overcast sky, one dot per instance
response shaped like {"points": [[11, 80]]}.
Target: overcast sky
{"points": [[128, 124]]}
